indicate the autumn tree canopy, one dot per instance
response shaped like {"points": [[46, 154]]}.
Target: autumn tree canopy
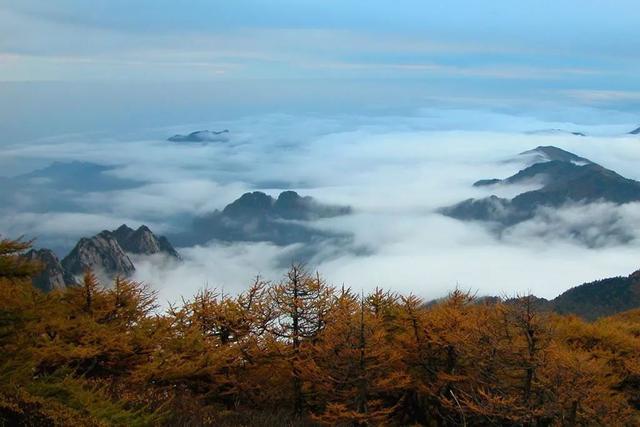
{"points": [[302, 352]]}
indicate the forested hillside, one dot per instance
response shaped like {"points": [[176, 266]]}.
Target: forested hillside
{"points": [[302, 352]]}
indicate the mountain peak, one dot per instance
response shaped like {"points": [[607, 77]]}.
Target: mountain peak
{"points": [[565, 178], [289, 195], [635, 132], [250, 204], [143, 229], [143, 242], [101, 253], [124, 228], [256, 216], [550, 153], [105, 253]]}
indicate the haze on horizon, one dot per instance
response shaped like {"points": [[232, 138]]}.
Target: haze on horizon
{"points": [[74, 64]]}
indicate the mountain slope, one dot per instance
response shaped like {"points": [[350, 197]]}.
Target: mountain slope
{"points": [[76, 176], [565, 178], [600, 298], [259, 217], [57, 188], [104, 253], [101, 253], [53, 275], [143, 242], [547, 153]]}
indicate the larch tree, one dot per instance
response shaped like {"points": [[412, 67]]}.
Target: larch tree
{"points": [[301, 303]]}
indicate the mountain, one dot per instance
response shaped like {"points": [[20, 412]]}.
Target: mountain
{"points": [[53, 275], [52, 188], [289, 205], [565, 178], [105, 253], [635, 132], [591, 301], [258, 217], [76, 176], [600, 298], [202, 136], [143, 242], [101, 253], [549, 153]]}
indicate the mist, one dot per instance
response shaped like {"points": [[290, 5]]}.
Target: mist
{"points": [[394, 171]]}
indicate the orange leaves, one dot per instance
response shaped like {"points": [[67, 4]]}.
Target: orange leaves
{"points": [[12, 265], [327, 355]]}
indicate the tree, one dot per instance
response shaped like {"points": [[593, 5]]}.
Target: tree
{"points": [[301, 304], [355, 366], [12, 265]]}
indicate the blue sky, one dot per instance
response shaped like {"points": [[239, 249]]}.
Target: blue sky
{"points": [[494, 52], [199, 40]]}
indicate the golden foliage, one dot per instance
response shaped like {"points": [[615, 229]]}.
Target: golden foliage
{"points": [[300, 352]]}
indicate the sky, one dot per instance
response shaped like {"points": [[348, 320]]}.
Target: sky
{"points": [[392, 107], [583, 41], [86, 57]]}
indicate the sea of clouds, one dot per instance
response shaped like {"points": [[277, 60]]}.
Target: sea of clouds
{"points": [[395, 171]]}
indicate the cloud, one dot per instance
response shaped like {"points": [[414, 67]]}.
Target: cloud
{"points": [[73, 43], [228, 268], [603, 96], [598, 225], [161, 201], [395, 171]]}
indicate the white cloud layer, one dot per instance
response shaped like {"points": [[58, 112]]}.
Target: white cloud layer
{"points": [[394, 171]]}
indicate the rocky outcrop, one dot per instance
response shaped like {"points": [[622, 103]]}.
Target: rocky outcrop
{"points": [[143, 242], [104, 253], [101, 253], [53, 275]]}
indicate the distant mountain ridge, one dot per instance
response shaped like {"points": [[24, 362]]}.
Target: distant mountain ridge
{"points": [[77, 176], [600, 298], [51, 188], [256, 216], [565, 178], [202, 136], [555, 132], [590, 301]]}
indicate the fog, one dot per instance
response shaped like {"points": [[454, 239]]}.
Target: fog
{"points": [[396, 171]]}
